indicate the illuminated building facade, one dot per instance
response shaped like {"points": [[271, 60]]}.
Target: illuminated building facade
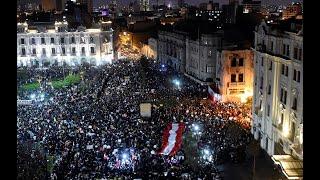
{"points": [[234, 75], [44, 46], [278, 90], [292, 10]]}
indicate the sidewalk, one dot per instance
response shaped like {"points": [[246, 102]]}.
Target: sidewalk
{"points": [[243, 171]]}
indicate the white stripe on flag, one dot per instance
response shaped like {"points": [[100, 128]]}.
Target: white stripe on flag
{"points": [[171, 139]]}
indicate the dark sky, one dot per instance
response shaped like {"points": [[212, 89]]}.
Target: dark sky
{"points": [[195, 2]]}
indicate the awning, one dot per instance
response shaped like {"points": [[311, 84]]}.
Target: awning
{"points": [[292, 168]]}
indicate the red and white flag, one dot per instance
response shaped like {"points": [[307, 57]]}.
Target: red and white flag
{"points": [[172, 139]]}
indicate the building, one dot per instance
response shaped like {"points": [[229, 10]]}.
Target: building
{"points": [[88, 3], [292, 10], [181, 3], [144, 5], [60, 5], [201, 54], [45, 45], [278, 90], [229, 12], [234, 74], [172, 49], [150, 49], [48, 5], [250, 6]]}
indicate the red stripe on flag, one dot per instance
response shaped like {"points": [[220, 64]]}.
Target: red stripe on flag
{"points": [[178, 139], [165, 137]]}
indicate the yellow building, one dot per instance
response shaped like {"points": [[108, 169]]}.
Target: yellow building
{"points": [[234, 77]]}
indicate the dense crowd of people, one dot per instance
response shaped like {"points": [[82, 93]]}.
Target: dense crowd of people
{"points": [[94, 130]]}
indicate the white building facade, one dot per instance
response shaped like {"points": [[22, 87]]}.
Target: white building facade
{"points": [[45, 46], [278, 91], [194, 57]]}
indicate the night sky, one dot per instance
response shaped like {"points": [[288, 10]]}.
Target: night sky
{"points": [[195, 2]]}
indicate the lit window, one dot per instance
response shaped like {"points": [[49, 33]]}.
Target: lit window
{"points": [[240, 77]]}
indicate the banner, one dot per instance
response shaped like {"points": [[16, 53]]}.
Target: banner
{"points": [[172, 139], [213, 96]]}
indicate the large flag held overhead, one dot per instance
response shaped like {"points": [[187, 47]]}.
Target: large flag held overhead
{"points": [[172, 139]]}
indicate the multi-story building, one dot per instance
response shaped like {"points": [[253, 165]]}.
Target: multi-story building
{"points": [[250, 6], [201, 54], [144, 5], [172, 49], [41, 46], [234, 74], [278, 90], [193, 55], [292, 10]]}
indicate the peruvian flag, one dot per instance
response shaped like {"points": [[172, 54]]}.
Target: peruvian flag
{"points": [[172, 139]]}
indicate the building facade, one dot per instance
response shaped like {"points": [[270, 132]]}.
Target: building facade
{"points": [[172, 49], [44, 46], [292, 10], [278, 91], [234, 74], [201, 56]]}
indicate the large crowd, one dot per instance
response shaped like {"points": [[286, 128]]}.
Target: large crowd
{"points": [[94, 130]]}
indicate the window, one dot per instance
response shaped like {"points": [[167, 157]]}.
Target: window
{"points": [[62, 40], [298, 77], [271, 47], [43, 51], [241, 62], [209, 69], [22, 41], [92, 50], [270, 65], [209, 53], [83, 51], [233, 62], [240, 78], [300, 54], [34, 51], [262, 61], [33, 41], [293, 130], [287, 71], [63, 51], [72, 40], [233, 78], [283, 96], [261, 82], [269, 89], [294, 104], [282, 69], [73, 50], [283, 49], [288, 50], [23, 51], [268, 110], [295, 75], [53, 51], [91, 40], [82, 40], [295, 53], [52, 40], [42, 41]]}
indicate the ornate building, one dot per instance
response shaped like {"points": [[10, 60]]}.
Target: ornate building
{"points": [[234, 75], [44, 45], [278, 90]]}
